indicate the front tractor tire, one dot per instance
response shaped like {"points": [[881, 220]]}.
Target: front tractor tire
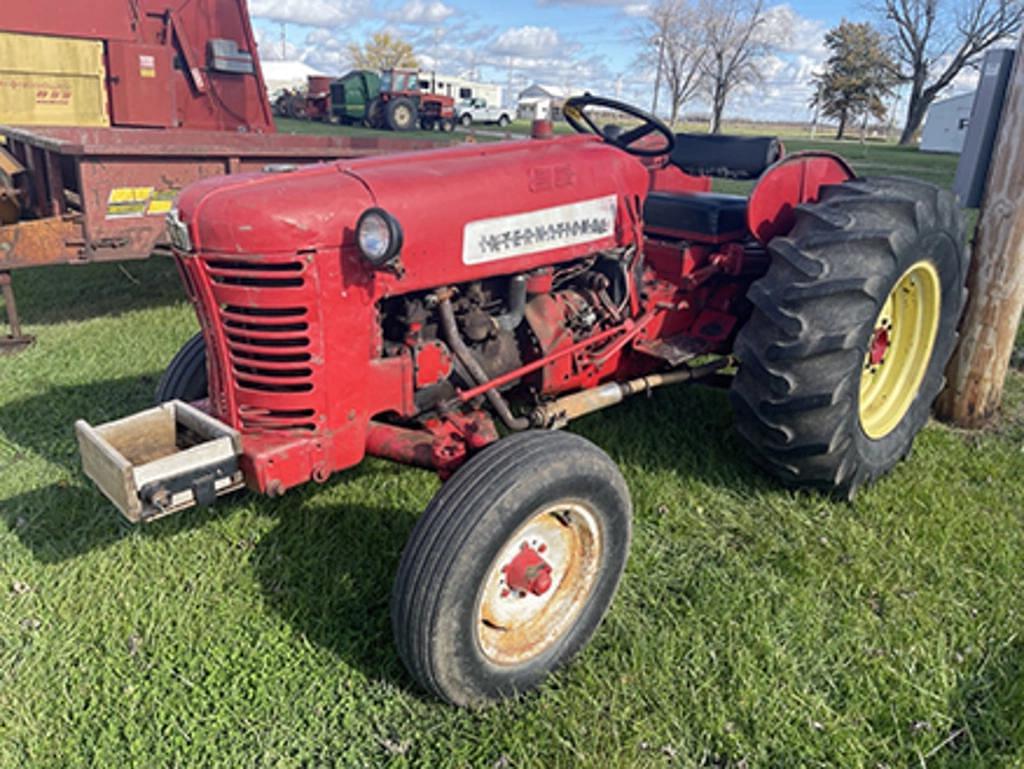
{"points": [[511, 567], [852, 327], [185, 376]]}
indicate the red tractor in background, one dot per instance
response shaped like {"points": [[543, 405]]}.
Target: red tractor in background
{"points": [[398, 307], [403, 106]]}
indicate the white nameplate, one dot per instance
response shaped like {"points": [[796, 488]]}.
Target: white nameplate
{"points": [[504, 237]]}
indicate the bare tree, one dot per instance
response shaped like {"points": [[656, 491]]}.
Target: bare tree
{"points": [[673, 41], [735, 37], [935, 39]]}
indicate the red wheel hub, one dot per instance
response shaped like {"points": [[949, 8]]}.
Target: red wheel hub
{"points": [[879, 346], [528, 572]]}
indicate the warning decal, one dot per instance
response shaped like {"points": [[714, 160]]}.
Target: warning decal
{"points": [[504, 237], [147, 66], [125, 202]]}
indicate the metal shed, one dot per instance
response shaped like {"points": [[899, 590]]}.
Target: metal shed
{"points": [[945, 126]]}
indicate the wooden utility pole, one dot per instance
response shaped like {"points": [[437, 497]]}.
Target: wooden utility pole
{"points": [[976, 374]]}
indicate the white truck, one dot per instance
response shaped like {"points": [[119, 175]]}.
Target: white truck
{"points": [[477, 111]]}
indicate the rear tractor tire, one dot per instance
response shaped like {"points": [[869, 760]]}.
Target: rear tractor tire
{"points": [[401, 115], [852, 327], [511, 568], [185, 376]]}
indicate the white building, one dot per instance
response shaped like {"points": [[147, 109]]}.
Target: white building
{"points": [[945, 125], [286, 74], [460, 88], [542, 101]]}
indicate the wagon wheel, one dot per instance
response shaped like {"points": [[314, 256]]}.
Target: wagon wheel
{"points": [[512, 567], [852, 329]]}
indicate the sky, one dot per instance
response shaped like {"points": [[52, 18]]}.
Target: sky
{"points": [[578, 44]]}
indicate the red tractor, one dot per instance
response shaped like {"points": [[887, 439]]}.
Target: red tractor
{"points": [[403, 106], [398, 307]]}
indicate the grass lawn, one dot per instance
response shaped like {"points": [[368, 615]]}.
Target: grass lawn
{"points": [[755, 627]]}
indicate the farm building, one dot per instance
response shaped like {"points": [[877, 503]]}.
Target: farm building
{"points": [[286, 74], [542, 101], [945, 126]]}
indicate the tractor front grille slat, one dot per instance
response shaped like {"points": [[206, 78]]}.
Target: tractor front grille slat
{"points": [[256, 274], [265, 314]]}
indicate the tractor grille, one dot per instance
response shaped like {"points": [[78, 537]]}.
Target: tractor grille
{"points": [[266, 312]]}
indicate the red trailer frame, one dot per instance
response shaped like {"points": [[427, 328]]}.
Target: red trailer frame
{"points": [[101, 194]]}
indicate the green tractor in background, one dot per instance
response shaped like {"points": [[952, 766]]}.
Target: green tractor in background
{"points": [[393, 99]]}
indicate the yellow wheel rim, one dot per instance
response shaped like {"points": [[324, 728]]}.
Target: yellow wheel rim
{"points": [[899, 350]]}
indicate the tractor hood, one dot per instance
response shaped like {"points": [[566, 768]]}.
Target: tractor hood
{"points": [[311, 208], [468, 209]]}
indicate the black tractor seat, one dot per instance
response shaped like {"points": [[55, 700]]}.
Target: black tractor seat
{"points": [[705, 217], [728, 157]]}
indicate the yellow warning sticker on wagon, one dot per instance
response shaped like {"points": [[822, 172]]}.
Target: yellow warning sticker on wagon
{"points": [[128, 201], [125, 202], [161, 203], [147, 66]]}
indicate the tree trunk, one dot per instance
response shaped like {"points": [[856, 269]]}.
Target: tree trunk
{"points": [[842, 125], [676, 104], [657, 75], [995, 281], [916, 111], [717, 108]]}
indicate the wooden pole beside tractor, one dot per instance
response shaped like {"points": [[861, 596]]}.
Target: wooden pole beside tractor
{"points": [[977, 372]]}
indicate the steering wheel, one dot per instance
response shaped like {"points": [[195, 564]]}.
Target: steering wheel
{"points": [[575, 111]]}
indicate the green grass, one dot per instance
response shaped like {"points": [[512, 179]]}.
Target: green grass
{"points": [[756, 627]]}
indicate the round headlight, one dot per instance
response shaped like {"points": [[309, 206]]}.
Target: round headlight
{"points": [[379, 236]]}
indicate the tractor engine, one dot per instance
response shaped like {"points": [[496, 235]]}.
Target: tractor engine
{"points": [[495, 326]]}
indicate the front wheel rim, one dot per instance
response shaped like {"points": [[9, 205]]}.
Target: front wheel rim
{"points": [[516, 625], [899, 349]]}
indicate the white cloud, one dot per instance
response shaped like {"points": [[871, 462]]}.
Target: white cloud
{"points": [[421, 12], [316, 13], [636, 10], [527, 42], [269, 44], [793, 33], [578, 3]]}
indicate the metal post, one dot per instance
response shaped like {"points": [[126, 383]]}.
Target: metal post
{"points": [[15, 340]]}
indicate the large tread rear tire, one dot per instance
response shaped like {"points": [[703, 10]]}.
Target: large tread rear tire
{"points": [[401, 115], [442, 579], [185, 377], [802, 353]]}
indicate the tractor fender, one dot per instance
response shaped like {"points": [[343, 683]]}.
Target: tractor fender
{"points": [[796, 179]]}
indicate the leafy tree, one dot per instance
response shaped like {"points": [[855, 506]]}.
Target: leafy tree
{"points": [[858, 74], [935, 39], [382, 51]]}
